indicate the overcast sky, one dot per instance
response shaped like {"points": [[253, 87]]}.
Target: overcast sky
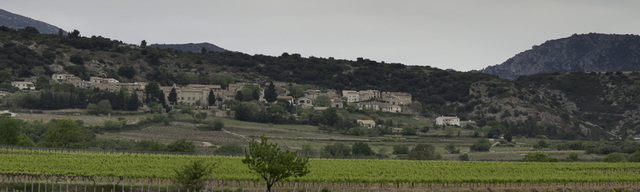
{"points": [[447, 34]]}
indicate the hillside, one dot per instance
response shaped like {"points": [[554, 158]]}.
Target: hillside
{"points": [[555, 105], [190, 47], [578, 53], [16, 21]]}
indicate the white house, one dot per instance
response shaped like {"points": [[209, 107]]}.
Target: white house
{"points": [[444, 120], [23, 85]]}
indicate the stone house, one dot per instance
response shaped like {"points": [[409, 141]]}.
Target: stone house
{"points": [[368, 95], [22, 85], [351, 96], [288, 98], [446, 120], [397, 130], [396, 98], [62, 77], [366, 123], [390, 108]]}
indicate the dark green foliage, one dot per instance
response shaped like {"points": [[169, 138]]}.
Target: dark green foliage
{"points": [[270, 93], [273, 164], [337, 150], [538, 157], [65, 134], [482, 144], [409, 131], [76, 59], [182, 145], [9, 131], [211, 98], [614, 157], [215, 125], [192, 176], [173, 97], [635, 157], [540, 144], [423, 152], [573, 157], [361, 148], [230, 149], [400, 149], [103, 107], [463, 157], [451, 148], [127, 71]]}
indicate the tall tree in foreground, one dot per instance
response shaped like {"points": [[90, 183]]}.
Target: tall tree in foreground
{"points": [[192, 175], [272, 163]]}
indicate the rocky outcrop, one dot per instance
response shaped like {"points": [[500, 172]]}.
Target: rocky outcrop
{"points": [[578, 53]]}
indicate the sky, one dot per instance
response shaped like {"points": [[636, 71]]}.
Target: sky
{"points": [[449, 34]]}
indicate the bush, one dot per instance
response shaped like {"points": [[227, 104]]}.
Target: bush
{"points": [[103, 107], [451, 148], [573, 157], [361, 148], [538, 157], [463, 157], [76, 59], [423, 152], [483, 144], [231, 148], [182, 145], [192, 175], [400, 149], [614, 157], [635, 157], [540, 144]]}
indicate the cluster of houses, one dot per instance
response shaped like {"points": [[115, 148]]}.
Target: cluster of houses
{"points": [[197, 94]]}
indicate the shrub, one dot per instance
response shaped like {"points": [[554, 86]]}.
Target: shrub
{"points": [[182, 145], [614, 157], [573, 157], [538, 157], [451, 148], [540, 144], [463, 157], [635, 157], [400, 149], [230, 148], [483, 144]]}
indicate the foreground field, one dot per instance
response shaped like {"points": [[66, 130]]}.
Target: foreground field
{"points": [[36, 162]]}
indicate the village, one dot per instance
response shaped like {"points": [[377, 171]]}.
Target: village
{"points": [[196, 95]]}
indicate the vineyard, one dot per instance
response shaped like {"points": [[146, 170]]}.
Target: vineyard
{"points": [[25, 164]]}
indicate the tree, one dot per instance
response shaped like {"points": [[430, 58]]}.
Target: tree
{"points": [[143, 43], [230, 148], [322, 101], [538, 157], [76, 59], [182, 145], [173, 97], [508, 135], [614, 157], [211, 99], [133, 103], [423, 152], [42, 83], [9, 131], [192, 175], [400, 149], [270, 93], [153, 93], [273, 164], [361, 148], [540, 144], [451, 148], [127, 71], [203, 50], [65, 134], [103, 107], [482, 144], [74, 34]]}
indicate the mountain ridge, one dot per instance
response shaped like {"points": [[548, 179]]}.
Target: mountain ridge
{"points": [[16, 21], [190, 47], [593, 52]]}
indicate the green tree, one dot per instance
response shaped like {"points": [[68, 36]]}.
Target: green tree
{"points": [[192, 175], [65, 134], [173, 97], [182, 145], [400, 149], [361, 148], [76, 59], [143, 43], [153, 93], [451, 148], [133, 103], [270, 93], [573, 157], [9, 131], [245, 111], [230, 148], [103, 107], [211, 99], [322, 101], [423, 152], [482, 144], [614, 157], [272, 164], [42, 83], [409, 131], [127, 71], [508, 135]]}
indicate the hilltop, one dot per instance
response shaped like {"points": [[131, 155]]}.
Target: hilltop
{"points": [[190, 47], [591, 52], [16, 21]]}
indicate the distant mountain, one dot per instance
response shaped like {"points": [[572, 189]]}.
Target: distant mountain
{"points": [[578, 53], [190, 47], [16, 21]]}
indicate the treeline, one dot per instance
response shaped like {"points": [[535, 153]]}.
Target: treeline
{"points": [[64, 96], [65, 133]]}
